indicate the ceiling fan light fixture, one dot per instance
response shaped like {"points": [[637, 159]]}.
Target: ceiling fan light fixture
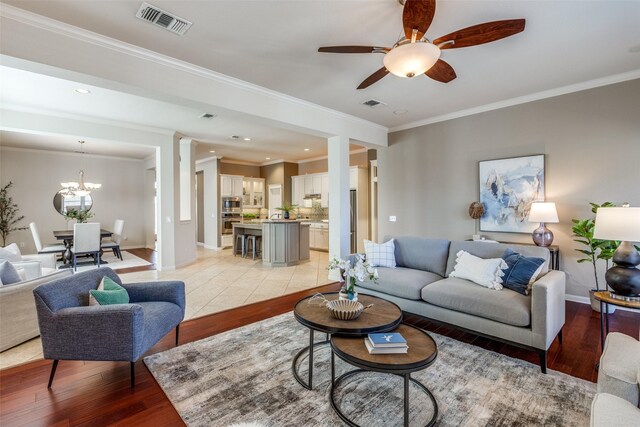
{"points": [[411, 59]]}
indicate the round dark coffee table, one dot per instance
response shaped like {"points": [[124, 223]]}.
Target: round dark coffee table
{"points": [[422, 353], [382, 317]]}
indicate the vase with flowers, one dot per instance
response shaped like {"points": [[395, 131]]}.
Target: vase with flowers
{"points": [[352, 272]]}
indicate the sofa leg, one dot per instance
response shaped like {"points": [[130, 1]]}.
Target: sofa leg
{"points": [[177, 333], [543, 361], [133, 374], [560, 337], [53, 373]]}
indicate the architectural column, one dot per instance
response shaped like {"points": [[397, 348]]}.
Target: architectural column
{"points": [[339, 238]]}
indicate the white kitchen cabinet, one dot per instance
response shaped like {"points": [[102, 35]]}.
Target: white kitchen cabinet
{"points": [[253, 192], [230, 186], [324, 190], [297, 190], [319, 236]]}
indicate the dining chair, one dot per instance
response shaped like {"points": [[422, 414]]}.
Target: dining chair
{"points": [[86, 241], [40, 248], [114, 242]]}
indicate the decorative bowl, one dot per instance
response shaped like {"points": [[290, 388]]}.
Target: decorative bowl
{"points": [[345, 309]]}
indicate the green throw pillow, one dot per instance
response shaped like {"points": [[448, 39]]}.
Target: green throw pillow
{"points": [[109, 292]]}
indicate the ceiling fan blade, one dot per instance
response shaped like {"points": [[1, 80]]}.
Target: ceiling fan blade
{"points": [[481, 33], [441, 71], [353, 49], [417, 14], [374, 78]]}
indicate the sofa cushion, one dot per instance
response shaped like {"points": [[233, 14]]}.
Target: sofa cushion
{"points": [[401, 282], [484, 272], [460, 295], [485, 249], [9, 274], [521, 272], [10, 253], [608, 410], [421, 253], [620, 367], [380, 254]]}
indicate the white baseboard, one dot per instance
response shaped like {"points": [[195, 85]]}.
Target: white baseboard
{"points": [[585, 300]]}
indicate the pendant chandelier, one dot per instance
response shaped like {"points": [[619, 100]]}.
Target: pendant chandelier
{"points": [[80, 188]]}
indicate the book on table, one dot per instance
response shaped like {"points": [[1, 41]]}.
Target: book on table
{"points": [[384, 350], [386, 343]]}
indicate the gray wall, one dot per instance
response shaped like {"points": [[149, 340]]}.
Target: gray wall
{"points": [[36, 177], [429, 175]]}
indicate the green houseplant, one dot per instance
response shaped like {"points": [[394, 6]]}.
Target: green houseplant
{"points": [[286, 209], [9, 217], [595, 249], [79, 215]]}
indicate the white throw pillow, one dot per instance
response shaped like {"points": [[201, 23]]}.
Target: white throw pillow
{"points": [[380, 254], [484, 272], [92, 300], [10, 253]]}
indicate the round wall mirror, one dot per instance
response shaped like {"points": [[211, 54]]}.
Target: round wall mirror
{"points": [[62, 203]]}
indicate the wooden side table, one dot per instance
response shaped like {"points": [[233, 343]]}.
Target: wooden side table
{"points": [[605, 299]]}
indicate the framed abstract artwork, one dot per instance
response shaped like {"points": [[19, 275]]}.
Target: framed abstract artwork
{"points": [[507, 189]]}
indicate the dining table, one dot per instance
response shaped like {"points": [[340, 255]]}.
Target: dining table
{"points": [[67, 237]]}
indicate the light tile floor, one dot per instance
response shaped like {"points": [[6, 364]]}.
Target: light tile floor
{"points": [[217, 281]]}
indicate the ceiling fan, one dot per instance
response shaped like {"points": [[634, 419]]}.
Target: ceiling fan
{"points": [[415, 54]]}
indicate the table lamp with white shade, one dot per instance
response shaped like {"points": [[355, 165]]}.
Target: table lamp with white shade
{"points": [[621, 223], [543, 212]]}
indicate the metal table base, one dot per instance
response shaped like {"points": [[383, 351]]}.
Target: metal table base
{"points": [[312, 345]]}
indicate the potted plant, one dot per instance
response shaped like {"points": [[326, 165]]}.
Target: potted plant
{"points": [[287, 208], [8, 214], [595, 249], [350, 273], [79, 215]]}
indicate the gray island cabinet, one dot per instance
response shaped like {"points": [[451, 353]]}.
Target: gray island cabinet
{"points": [[284, 242]]}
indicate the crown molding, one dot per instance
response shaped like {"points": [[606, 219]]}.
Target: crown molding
{"points": [[240, 162], [563, 90], [39, 21], [207, 159]]}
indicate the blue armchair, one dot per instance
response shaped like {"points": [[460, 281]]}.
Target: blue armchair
{"points": [[73, 330]]}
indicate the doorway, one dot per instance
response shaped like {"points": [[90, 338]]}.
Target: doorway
{"points": [[275, 198]]}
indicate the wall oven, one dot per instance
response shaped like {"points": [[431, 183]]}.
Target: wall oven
{"points": [[228, 219], [232, 204]]}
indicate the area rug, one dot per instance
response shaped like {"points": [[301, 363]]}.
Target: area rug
{"points": [[244, 375], [128, 260]]}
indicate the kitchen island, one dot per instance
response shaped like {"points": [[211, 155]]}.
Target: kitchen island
{"points": [[284, 242]]}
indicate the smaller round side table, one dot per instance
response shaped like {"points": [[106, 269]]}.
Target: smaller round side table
{"points": [[605, 299]]}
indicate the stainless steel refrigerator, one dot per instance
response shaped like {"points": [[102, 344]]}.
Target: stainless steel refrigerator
{"points": [[353, 221]]}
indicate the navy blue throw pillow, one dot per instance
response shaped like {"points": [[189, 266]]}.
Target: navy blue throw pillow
{"points": [[520, 271]]}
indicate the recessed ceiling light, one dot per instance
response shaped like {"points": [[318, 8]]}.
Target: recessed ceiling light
{"points": [[247, 139], [307, 149], [212, 151], [267, 158], [83, 91], [400, 112]]}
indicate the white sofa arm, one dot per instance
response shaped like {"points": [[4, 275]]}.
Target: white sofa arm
{"points": [[548, 307], [46, 260]]}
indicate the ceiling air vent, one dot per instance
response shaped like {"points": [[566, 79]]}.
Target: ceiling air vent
{"points": [[163, 19], [373, 103]]}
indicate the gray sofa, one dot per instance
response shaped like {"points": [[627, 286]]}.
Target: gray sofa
{"points": [[420, 284]]}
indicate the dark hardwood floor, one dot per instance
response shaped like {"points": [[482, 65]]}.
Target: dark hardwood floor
{"points": [[98, 393], [144, 253]]}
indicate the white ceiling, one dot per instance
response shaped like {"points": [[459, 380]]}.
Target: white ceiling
{"points": [[274, 44]]}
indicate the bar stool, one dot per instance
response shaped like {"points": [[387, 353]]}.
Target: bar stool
{"points": [[243, 246], [254, 241]]}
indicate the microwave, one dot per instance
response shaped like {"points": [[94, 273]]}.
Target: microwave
{"points": [[231, 204]]}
